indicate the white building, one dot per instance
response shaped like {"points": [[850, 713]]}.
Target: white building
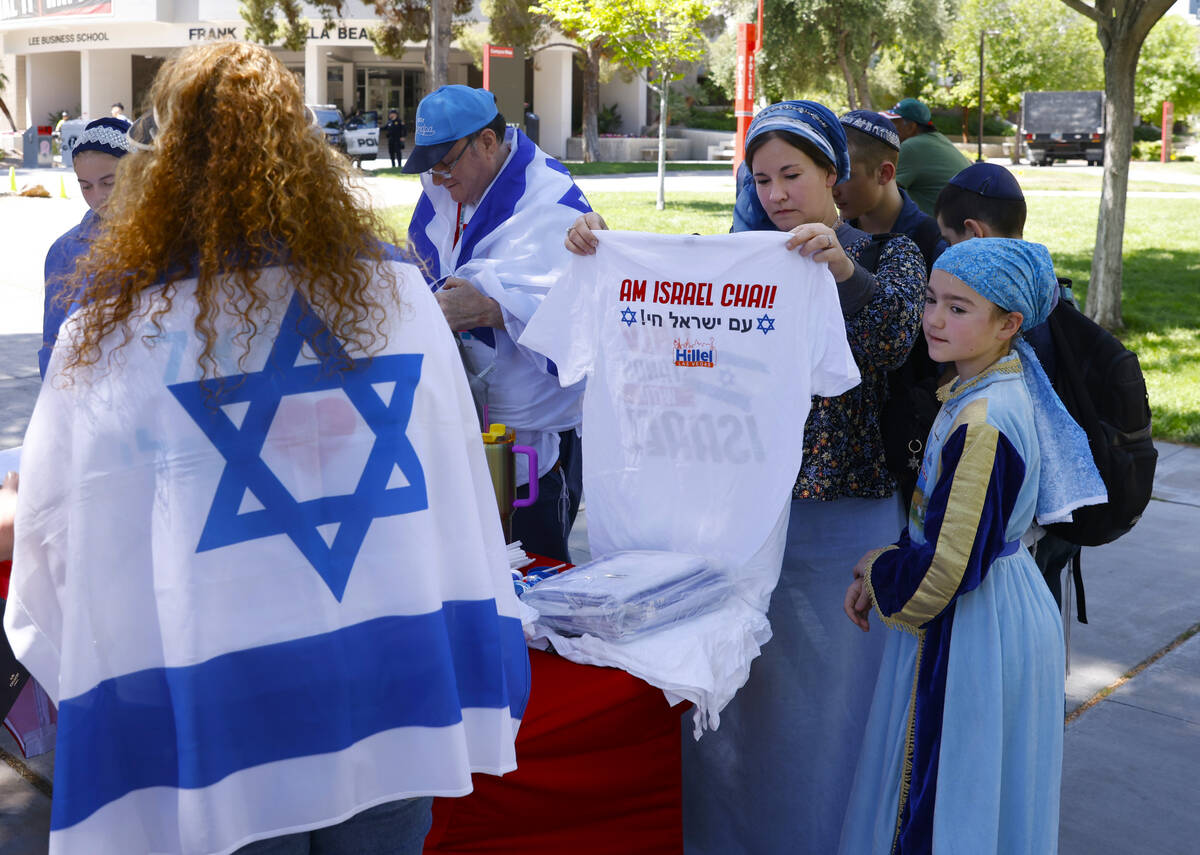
{"points": [[83, 55]]}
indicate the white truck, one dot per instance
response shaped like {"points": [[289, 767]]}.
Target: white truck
{"points": [[1062, 126]]}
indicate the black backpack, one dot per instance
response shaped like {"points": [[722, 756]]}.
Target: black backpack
{"points": [[1100, 383], [907, 414]]}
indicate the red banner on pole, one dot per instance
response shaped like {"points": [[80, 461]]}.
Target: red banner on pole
{"points": [[498, 52], [743, 100], [1168, 122]]}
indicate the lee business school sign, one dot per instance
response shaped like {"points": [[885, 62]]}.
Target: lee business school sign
{"points": [[149, 34]]}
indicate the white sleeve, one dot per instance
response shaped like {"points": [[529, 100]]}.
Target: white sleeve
{"points": [[564, 326]]}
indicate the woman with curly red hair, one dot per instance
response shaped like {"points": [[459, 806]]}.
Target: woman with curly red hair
{"points": [[258, 560]]}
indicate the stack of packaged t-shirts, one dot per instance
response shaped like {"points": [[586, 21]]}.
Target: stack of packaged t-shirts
{"points": [[628, 594]]}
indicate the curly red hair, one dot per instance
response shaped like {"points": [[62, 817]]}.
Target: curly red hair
{"points": [[236, 180]]}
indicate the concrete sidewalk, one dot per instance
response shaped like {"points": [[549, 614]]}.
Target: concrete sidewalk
{"points": [[1130, 760]]}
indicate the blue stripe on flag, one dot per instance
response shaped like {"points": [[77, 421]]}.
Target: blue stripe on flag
{"points": [[191, 726], [419, 241]]}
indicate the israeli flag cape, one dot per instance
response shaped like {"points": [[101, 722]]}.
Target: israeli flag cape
{"points": [[512, 250], [267, 604]]}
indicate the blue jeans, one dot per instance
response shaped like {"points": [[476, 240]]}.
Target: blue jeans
{"points": [[393, 828]]}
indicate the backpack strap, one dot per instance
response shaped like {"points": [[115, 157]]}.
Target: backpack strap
{"points": [[1077, 576]]}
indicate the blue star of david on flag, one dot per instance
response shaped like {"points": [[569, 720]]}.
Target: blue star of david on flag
{"points": [[766, 323], [628, 317], [348, 515]]}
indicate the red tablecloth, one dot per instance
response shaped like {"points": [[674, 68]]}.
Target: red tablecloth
{"points": [[597, 773]]}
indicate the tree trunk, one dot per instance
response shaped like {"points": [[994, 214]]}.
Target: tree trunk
{"points": [[661, 202], [847, 74], [8, 115], [864, 90], [437, 61], [1104, 290], [591, 103]]}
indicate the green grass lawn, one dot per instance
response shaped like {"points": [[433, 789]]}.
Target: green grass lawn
{"points": [[1143, 176], [1161, 295]]}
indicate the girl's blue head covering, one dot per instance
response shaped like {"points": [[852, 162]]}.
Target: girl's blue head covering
{"points": [[806, 119], [1019, 276], [1014, 274]]}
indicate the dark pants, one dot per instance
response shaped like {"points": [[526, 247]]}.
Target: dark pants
{"points": [[396, 151], [544, 526], [392, 828]]}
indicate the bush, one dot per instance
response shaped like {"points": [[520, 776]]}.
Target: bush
{"points": [[1147, 132], [950, 124], [608, 120], [1146, 150], [1186, 158]]}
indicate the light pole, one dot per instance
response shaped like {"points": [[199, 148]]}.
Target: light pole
{"points": [[979, 144]]}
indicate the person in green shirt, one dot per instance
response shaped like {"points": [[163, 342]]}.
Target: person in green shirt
{"points": [[927, 159]]}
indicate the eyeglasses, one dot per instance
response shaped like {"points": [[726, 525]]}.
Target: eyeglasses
{"points": [[145, 128], [446, 173]]}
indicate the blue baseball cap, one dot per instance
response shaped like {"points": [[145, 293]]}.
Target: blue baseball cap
{"points": [[444, 116], [873, 125], [990, 180]]}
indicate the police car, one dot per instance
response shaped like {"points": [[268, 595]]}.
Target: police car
{"points": [[357, 136], [360, 136], [329, 120]]}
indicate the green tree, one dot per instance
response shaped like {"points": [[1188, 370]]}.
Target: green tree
{"points": [[657, 38], [1037, 45], [1121, 28], [401, 22], [262, 23], [807, 44], [1169, 70]]}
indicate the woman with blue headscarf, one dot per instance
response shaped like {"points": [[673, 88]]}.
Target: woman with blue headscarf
{"points": [[963, 749], [775, 776]]}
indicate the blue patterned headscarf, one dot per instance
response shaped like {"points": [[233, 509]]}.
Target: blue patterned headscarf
{"points": [[806, 119], [1018, 276], [1014, 274]]}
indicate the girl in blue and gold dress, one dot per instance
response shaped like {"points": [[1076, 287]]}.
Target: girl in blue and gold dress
{"points": [[963, 748]]}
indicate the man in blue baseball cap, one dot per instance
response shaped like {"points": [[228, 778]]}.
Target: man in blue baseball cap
{"points": [[927, 159], [489, 230]]}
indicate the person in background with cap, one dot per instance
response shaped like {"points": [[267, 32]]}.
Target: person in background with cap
{"points": [[927, 158], [395, 130], [95, 157], [985, 200], [488, 229], [871, 200]]}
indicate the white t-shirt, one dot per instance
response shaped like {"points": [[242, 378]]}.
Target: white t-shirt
{"points": [[701, 356]]}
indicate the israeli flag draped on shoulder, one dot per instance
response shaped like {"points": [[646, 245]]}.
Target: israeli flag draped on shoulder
{"points": [[512, 246], [268, 603]]}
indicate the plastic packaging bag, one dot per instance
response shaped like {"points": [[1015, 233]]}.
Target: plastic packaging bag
{"points": [[627, 594]]}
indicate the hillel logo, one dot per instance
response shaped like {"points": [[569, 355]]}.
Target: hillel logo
{"points": [[424, 129], [695, 354]]}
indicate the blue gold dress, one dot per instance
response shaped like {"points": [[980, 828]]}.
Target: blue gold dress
{"points": [[963, 748]]}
